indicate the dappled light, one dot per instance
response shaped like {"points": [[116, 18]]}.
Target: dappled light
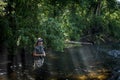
{"points": [[75, 63], [60, 39]]}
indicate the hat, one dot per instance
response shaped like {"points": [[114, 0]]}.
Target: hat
{"points": [[40, 40]]}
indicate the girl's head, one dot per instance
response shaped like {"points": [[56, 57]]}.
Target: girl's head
{"points": [[39, 41]]}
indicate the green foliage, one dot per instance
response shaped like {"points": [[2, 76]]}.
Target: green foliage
{"points": [[111, 4], [52, 33], [2, 5], [114, 27], [98, 29], [5, 29], [23, 21]]}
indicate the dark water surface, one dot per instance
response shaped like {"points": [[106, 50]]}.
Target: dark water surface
{"points": [[86, 62]]}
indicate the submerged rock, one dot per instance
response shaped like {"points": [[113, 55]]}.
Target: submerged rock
{"points": [[114, 53]]}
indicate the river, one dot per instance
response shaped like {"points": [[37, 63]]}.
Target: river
{"points": [[85, 62]]}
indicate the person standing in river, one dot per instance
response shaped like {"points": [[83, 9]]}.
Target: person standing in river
{"points": [[39, 53]]}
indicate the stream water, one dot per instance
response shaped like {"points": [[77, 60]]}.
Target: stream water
{"points": [[87, 62]]}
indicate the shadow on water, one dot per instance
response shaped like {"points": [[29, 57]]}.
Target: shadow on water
{"points": [[86, 62]]}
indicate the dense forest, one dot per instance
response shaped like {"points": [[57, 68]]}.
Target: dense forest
{"points": [[58, 21]]}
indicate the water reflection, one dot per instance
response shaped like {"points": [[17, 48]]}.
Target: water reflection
{"points": [[76, 63]]}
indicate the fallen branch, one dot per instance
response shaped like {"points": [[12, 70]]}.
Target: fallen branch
{"points": [[75, 42]]}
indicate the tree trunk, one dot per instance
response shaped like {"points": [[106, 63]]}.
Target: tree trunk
{"points": [[98, 8], [23, 59]]}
